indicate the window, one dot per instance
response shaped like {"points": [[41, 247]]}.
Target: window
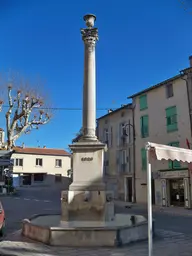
{"points": [[123, 134], [144, 159], [174, 164], [144, 120], [111, 136], [124, 159], [143, 102], [169, 90], [117, 160], [122, 129], [106, 136], [106, 163], [39, 162], [38, 177], [58, 177], [58, 163], [18, 162], [171, 117]]}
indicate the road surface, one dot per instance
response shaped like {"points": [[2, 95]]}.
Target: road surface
{"points": [[174, 233]]}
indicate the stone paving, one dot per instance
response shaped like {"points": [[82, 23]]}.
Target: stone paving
{"points": [[172, 210], [167, 242]]}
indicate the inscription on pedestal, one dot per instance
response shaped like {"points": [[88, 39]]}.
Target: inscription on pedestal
{"points": [[86, 159]]}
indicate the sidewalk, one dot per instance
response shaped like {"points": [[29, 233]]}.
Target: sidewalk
{"points": [[173, 210]]}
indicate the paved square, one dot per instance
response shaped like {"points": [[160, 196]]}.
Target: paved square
{"points": [[167, 243]]}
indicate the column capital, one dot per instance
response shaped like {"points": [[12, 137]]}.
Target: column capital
{"points": [[90, 36]]}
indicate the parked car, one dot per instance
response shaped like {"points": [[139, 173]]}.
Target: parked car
{"points": [[2, 220]]}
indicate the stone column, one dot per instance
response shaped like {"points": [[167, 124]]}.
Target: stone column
{"points": [[89, 36], [87, 199]]}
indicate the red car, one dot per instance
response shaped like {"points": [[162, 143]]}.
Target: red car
{"points": [[2, 220]]}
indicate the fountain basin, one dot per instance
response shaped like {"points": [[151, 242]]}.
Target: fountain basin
{"points": [[48, 229]]}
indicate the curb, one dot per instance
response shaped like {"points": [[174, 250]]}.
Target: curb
{"points": [[34, 216], [161, 210]]}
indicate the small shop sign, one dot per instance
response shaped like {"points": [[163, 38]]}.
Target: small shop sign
{"points": [[174, 174]]}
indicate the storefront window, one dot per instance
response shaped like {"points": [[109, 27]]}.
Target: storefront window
{"points": [[39, 177]]}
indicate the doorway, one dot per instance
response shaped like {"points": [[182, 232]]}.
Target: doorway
{"points": [[177, 192], [129, 189], [26, 179]]}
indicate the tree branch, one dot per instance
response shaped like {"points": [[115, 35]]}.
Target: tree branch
{"points": [[19, 121], [34, 123]]}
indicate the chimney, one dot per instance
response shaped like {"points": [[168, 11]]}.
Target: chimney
{"points": [[23, 145], [110, 110], [190, 60], [44, 146]]}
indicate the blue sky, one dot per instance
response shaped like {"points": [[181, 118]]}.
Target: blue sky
{"points": [[141, 43]]}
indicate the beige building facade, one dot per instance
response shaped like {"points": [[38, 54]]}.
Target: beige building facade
{"points": [[117, 131], [40, 166], [162, 115], [159, 114]]}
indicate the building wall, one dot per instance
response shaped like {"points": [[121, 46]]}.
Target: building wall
{"points": [[157, 103], [48, 167], [114, 174]]}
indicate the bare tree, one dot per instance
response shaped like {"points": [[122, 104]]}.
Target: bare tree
{"points": [[26, 111]]}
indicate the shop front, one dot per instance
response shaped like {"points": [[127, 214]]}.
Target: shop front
{"points": [[175, 188]]}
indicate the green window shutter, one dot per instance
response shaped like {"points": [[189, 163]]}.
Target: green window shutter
{"points": [[141, 126], [170, 163], [144, 126], [175, 144], [171, 117], [174, 164], [144, 159], [143, 102], [171, 111]]}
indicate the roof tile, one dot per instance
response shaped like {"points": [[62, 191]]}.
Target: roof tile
{"points": [[41, 151]]}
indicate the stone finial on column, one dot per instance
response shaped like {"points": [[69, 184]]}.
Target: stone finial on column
{"points": [[90, 34]]}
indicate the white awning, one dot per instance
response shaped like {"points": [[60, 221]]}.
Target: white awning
{"points": [[160, 152]]}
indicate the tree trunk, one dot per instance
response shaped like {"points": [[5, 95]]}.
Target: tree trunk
{"points": [[10, 142]]}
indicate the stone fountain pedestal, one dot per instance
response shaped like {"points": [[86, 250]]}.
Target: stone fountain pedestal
{"points": [[87, 198], [87, 210]]}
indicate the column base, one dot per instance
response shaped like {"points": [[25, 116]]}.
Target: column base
{"points": [[88, 138], [88, 135]]}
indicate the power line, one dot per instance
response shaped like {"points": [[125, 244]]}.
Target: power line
{"points": [[61, 108]]}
